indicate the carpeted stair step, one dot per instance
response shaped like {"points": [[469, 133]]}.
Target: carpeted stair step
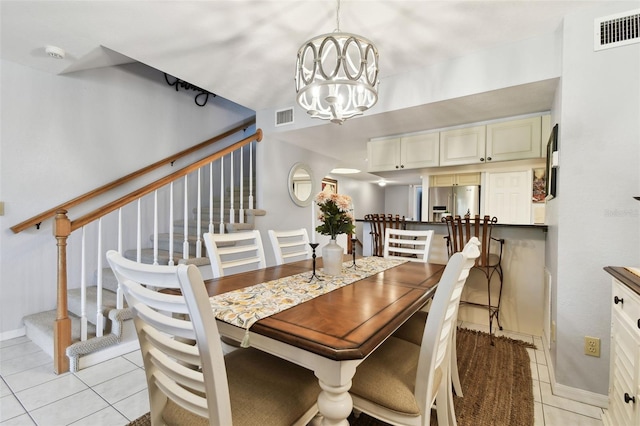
{"points": [[39, 328], [192, 228], [163, 257], [178, 241], [74, 302]]}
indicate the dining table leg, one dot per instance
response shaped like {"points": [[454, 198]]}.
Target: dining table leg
{"points": [[334, 402]]}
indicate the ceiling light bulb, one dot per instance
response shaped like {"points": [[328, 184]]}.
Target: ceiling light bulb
{"points": [[382, 183]]}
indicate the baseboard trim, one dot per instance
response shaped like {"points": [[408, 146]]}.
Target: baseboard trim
{"points": [[12, 334], [575, 394]]}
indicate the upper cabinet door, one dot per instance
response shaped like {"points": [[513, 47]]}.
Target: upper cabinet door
{"points": [[420, 151], [462, 146], [514, 140], [383, 155]]}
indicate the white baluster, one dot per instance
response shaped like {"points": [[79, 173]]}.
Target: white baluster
{"points": [[171, 224], [241, 212], [120, 230], [185, 244], [232, 212], [199, 217], [119, 293], [251, 145], [211, 228], [83, 290], [222, 195], [155, 227], [99, 316], [139, 234]]}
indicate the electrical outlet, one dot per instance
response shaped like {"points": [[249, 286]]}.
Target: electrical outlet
{"points": [[592, 346]]}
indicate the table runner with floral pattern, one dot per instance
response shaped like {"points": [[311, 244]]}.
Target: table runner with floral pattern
{"points": [[246, 306]]}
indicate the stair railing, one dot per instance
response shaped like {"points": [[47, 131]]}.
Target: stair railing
{"points": [[64, 227]]}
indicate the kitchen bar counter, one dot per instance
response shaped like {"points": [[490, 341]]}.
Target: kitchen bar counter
{"points": [[522, 306], [625, 276]]}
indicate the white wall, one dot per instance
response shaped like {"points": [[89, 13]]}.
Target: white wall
{"points": [[595, 222], [64, 135], [275, 160], [397, 200]]}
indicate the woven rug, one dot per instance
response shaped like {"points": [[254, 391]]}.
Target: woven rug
{"points": [[496, 380]]}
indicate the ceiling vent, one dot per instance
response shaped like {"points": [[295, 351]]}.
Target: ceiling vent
{"points": [[284, 116], [617, 30]]}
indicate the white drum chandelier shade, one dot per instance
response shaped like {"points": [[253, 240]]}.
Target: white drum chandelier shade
{"points": [[337, 75]]}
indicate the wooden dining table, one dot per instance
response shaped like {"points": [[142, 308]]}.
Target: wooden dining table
{"points": [[333, 333]]}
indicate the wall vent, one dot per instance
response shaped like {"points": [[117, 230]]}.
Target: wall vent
{"points": [[284, 116], [617, 30]]}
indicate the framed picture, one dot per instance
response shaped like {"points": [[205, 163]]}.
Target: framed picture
{"points": [[539, 185], [332, 184], [551, 170]]}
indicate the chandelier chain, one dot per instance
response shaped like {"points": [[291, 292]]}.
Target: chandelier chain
{"points": [[338, 16]]}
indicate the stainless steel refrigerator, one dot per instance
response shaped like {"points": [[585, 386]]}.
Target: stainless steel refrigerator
{"points": [[453, 200]]}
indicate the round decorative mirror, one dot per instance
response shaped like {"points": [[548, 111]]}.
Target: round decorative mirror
{"points": [[301, 184]]}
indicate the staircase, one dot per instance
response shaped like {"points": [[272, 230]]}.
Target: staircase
{"points": [[119, 335], [101, 326]]}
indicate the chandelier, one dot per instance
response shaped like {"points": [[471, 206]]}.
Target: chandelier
{"points": [[337, 75]]}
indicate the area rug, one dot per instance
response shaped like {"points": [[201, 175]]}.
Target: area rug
{"points": [[496, 381]]}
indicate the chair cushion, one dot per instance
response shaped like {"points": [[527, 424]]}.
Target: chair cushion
{"points": [[264, 390], [413, 329], [388, 376]]}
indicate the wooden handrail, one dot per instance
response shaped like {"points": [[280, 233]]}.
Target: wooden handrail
{"points": [[35, 220], [123, 201]]}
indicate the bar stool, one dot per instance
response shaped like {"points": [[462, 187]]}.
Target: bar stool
{"points": [[380, 222], [460, 230]]}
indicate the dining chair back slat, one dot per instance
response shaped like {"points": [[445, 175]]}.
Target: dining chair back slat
{"points": [[289, 246], [234, 252], [412, 245]]}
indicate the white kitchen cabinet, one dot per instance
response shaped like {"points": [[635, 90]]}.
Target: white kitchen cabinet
{"points": [[462, 146], [514, 140], [409, 152], [624, 394], [461, 179], [383, 155]]}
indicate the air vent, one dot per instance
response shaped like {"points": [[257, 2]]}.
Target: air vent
{"points": [[617, 30], [284, 116]]}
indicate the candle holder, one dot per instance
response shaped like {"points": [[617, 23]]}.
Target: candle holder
{"points": [[353, 252], [313, 256]]}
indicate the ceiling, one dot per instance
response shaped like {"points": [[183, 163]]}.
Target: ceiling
{"points": [[244, 50]]}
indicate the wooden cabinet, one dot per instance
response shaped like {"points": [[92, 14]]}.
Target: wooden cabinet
{"points": [[462, 146], [461, 179], [503, 141], [514, 140], [624, 380], [408, 152], [383, 155]]}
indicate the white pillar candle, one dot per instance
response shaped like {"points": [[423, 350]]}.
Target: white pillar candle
{"points": [[313, 222]]}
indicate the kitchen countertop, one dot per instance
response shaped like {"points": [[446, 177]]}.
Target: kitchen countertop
{"points": [[625, 276]]}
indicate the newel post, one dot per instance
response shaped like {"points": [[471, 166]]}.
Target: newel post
{"points": [[62, 325]]}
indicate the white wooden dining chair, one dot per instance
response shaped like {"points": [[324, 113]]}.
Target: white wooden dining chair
{"points": [[289, 246], [234, 252], [404, 392], [190, 381], [407, 244], [413, 329]]}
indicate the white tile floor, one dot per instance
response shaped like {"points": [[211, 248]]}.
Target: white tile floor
{"points": [[115, 392]]}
